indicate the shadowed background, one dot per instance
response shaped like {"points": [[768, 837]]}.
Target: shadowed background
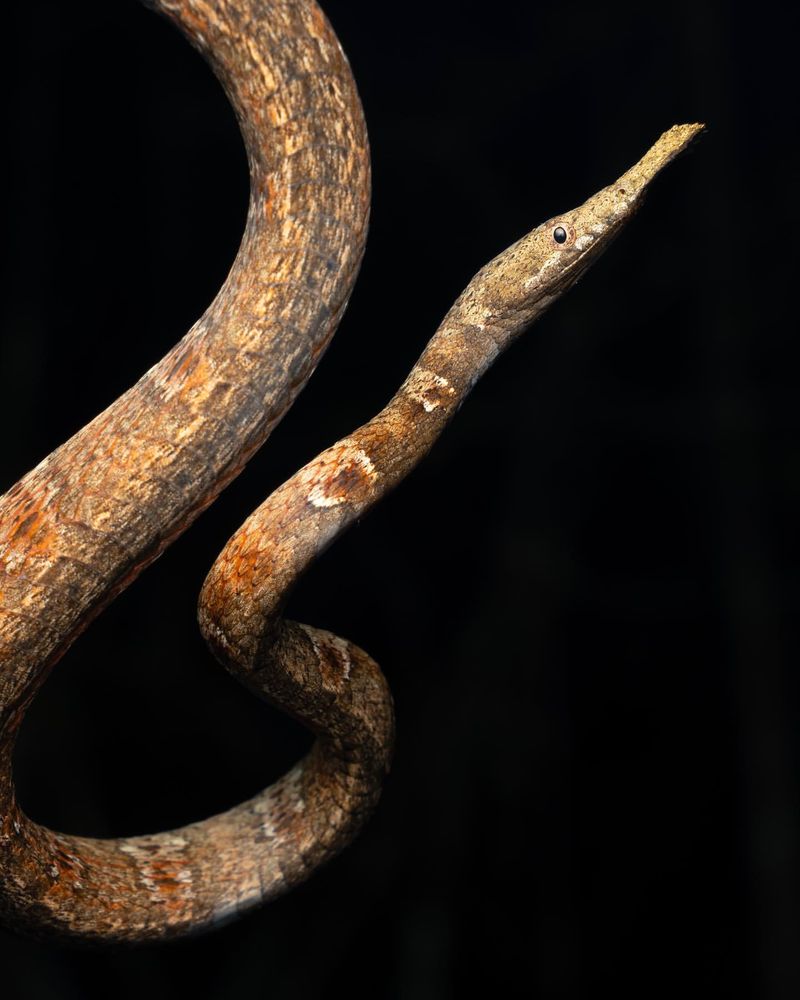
{"points": [[584, 599]]}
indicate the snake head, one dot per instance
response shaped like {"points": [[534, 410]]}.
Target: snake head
{"points": [[507, 295]]}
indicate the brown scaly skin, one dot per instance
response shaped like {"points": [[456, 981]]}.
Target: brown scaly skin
{"points": [[78, 528]]}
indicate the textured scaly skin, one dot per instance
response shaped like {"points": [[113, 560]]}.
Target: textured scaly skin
{"points": [[78, 528]]}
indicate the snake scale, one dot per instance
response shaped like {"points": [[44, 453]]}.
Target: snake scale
{"points": [[88, 519]]}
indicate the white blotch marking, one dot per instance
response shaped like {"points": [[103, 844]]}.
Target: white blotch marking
{"points": [[584, 241], [268, 827], [344, 655], [421, 381], [13, 561], [323, 472], [320, 498]]}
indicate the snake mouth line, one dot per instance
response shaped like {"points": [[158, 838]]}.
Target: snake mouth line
{"points": [[625, 196]]}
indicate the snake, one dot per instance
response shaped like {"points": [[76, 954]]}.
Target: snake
{"points": [[83, 524]]}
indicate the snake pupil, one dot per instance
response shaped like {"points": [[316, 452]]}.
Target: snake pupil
{"points": [[560, 234]]}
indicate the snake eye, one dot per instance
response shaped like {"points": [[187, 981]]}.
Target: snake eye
{"points": [[560, 234]]}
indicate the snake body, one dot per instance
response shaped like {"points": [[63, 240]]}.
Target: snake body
{"points": [[86, 521]]}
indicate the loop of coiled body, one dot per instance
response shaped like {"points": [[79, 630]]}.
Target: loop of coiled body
{"points": [[84, 523], [87, 520]]}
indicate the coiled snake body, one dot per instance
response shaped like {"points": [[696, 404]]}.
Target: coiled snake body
{"points": [[87, 520]]}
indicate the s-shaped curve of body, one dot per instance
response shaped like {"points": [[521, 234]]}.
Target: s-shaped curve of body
{"points": [[88, 519]]}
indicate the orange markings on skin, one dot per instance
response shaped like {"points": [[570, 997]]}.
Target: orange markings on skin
{"points": [[319, 21], [349, 480], [343, 472], [165, 876], [193, 373], [32, 530], [101, 508], [269, 201]]}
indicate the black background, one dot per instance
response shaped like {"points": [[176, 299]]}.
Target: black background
{"points": [[584, 600]]}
